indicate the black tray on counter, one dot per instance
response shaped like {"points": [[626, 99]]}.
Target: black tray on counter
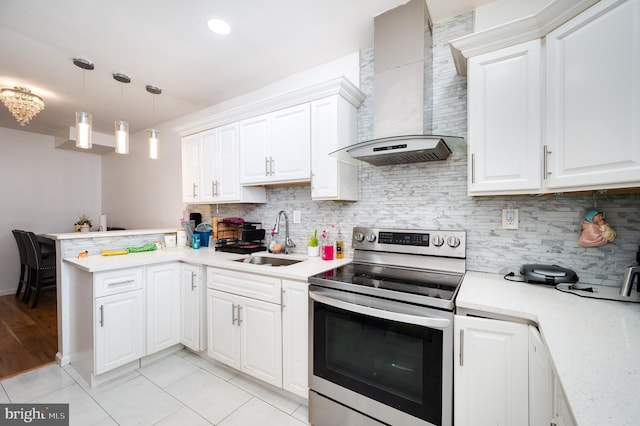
{"points": [[241, 248]]}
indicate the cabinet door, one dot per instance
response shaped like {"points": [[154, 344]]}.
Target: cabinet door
{"points": [[295, 332], [490, 372], [191, 300], [190, 172], [207, 161], [540, 381], [163, 306], [505, 121], [290, 147], [333, 126], [223, 333], [254, 155], [118, 329], [261, 341], [227, 164], [593, 99]]}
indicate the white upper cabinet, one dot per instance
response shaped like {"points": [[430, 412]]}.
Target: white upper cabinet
{"points": [[504, 121], [333, 126], [211, 167], [593, 99], [588, 137], [276, 147]]}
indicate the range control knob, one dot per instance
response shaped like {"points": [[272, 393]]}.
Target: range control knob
{"points": [[453, 242], [359, 236], [437, 241], [371, 237]]}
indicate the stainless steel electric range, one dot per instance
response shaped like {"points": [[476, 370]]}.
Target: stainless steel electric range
{"points": [[381, 330]]}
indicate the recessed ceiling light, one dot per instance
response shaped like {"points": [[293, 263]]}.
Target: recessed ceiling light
{"points": [[219, 26]]}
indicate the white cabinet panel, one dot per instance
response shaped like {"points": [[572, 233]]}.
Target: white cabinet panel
{"points": [[190, 168], [192, 308], [295, 337], [118, 330], [222, 329], [163, 306], [540, 381], [505, 121], [333, 126], [593, 98], [490, 372]]}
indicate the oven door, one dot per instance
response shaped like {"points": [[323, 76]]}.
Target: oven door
{"points": [[391, 361]]}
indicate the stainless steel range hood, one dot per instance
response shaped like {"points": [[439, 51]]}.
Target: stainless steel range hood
{"points": [[401, 122]]}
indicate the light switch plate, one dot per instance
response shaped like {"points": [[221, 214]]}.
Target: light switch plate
{"points": [[296, 216]]}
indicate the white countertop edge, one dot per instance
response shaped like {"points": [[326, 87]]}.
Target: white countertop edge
{"points": [[98, 234], [209, 257], [594, 344]]}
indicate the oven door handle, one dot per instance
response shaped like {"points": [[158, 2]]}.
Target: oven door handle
{"points": [[438, 323]]}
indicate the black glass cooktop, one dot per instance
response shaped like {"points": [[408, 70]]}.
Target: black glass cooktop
{"points": [[435, 284]]}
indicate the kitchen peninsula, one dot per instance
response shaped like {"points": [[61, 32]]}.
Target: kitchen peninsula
{"points": [[115, 275]]}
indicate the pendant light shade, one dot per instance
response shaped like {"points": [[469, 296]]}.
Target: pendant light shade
{"points": [[153, 143], [83, 119], [122, 127], [122, 137], [83, 130], [154, 135]]}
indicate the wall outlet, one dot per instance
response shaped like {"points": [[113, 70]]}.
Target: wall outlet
{"points": [[510, 218], [296, 216]]}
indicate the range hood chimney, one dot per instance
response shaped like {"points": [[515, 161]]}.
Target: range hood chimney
{"points": [[402, 133]]}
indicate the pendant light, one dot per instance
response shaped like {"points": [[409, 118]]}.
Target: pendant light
{"points": [[153, 133], [83, 119], [122, 127]]}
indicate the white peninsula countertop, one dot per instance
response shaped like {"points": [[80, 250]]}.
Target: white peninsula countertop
{"points": [[594, 344]]}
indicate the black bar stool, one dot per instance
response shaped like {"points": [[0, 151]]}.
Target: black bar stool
{"points": [[42, 270], [24, 267]]}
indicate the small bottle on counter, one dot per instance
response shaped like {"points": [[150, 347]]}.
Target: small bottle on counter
{"points": [[339, 246], [195, 242]]}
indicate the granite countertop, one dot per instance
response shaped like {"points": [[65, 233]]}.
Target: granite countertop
{"points": [[594, 344], [209, 257]]}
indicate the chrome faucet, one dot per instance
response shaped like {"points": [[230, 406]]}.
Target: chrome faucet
{"points": [[631, 275], [287, 241]]}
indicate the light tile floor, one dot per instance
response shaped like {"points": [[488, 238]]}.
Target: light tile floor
{"points": [[181, 389]]}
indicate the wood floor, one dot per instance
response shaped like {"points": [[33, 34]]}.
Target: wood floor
{"points": [[28, 337]]}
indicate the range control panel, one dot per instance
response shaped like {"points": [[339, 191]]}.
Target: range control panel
{"points": [[426, 242]]}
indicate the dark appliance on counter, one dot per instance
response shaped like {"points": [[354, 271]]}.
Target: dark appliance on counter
{"points": [[240, 237], [547, 274], [381, 330]]}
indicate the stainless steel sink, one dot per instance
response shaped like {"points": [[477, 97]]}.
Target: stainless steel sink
{"points": [[268, 260]]}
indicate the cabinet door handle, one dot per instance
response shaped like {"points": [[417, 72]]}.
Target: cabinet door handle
{"points": [[193, 276], [271, 165], [473, 168], [284, 298], [545, 162], [233, 313], [461, 348], [101, 315], [213, 188], [266, 166], [120, 282], [193, 190], [239, 314]]}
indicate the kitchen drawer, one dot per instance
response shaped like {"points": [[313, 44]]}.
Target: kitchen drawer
{"points": [[243, 284], [117, 281]]}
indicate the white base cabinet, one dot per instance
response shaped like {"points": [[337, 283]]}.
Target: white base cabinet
{"points": [[193, 331], [119, 333], [490, 372], [245, 332], [162, 306]]}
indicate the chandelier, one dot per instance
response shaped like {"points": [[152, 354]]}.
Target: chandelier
{"points": [[23, 104]]}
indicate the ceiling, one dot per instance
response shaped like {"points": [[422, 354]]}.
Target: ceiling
{"points": [[166, 43]]}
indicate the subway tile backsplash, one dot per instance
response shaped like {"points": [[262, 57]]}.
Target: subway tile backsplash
{"points": [[434, 196]]}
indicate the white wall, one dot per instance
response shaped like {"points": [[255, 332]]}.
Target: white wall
{"points": [[43, 190]]}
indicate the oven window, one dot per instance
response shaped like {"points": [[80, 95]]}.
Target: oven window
{"points": [[397, 364]]}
